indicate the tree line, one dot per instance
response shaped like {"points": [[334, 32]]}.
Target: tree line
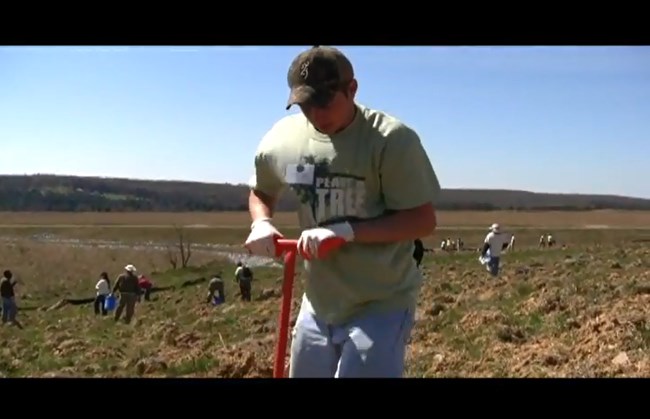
{"points": [[73, 193]]}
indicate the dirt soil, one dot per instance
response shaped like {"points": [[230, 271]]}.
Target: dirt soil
{"points": [[551, 313]]}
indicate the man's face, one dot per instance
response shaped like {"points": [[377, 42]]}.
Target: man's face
{"points": [[330, 118]]}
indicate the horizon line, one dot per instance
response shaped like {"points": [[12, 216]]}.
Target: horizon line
{"points": [[245, 184]]}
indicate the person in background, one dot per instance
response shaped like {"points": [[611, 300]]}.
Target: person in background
{"points": [[418, 251], [127, 285], [215, 286], [238, 269], [145, 286], [550, 241], [8, 293], [103, 288], [495, 241], [244, 277]]}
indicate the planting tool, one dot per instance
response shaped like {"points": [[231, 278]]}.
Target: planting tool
{"points": [[289, 248]]}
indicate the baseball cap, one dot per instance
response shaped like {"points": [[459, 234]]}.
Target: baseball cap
{"points": [[315, 75]]}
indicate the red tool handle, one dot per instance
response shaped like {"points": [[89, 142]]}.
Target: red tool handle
{"points": [[289, 249]]}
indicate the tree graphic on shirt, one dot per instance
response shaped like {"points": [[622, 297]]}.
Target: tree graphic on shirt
{"points": [[307, 193]]}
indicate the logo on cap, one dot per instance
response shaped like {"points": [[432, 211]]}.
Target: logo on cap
{"points": [[304, 69]]}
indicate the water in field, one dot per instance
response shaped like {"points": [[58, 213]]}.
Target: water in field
{"points": [[232, 253]]}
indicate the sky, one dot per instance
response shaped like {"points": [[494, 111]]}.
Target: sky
{"points": [[542, 119]]}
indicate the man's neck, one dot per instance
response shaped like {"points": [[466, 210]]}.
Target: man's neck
{"points": [[350, 119]]}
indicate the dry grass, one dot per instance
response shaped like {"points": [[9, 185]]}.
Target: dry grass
{"points": [[581, 312], [552, 312], [150, 219], [236, 235], [48, 271], [549, 219], [175, 334], [232, 228]]}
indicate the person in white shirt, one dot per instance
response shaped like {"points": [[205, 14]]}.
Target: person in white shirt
{"points": [[495, 241], [550, 241], [240, 267], [103, 288]]}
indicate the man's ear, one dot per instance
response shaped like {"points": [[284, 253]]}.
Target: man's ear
{"points": [[352, 88]]}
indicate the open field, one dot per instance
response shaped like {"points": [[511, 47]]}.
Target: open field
{"points": [[232, 228], [579, 311], [446, 219]]}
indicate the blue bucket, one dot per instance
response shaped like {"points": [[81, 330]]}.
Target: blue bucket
{"points": [[216, 300], [110, 302]]}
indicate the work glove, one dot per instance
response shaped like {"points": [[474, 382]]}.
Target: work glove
{"points": [[261, 240], [311, 240]]}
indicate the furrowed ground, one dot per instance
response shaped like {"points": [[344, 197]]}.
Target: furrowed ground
{"points": [[578, 311]]}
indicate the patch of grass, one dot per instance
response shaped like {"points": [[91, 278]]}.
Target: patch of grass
{"points": [[643, 329], [543, 220], [201, 365], [470, 344], [533, 322], [561, 322], [524, 289]]}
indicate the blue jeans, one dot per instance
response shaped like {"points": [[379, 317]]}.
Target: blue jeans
{"points": [[493, 265], [9, 310], [369, 346]]}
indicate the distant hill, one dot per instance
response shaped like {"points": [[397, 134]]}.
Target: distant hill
{"points": [[72, 193]]}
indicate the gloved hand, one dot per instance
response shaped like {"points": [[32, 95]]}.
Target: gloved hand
{"points": [[261, 240], [311, 240]]}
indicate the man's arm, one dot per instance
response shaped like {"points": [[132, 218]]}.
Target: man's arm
{"points": [[117, 284], [399, 226], [410, 187], [486, 243], [266, 184], [260, 205]]}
